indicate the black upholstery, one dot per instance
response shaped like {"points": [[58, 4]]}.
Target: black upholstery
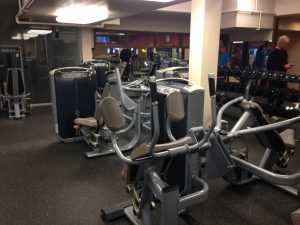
{"points": [[269, 139], [74, 98], [10, 83], [101, 76], [153, 69]]}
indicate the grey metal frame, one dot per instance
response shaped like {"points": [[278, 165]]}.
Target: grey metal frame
{"points": [[16, 102], [284, 182], [169, 71], [19, 110], [171, 202], [116, 91]]}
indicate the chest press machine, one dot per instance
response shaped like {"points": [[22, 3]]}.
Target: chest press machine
{"points": [[144, 176]]}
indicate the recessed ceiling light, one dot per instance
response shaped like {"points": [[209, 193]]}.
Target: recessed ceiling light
{"points": [[17, 37], [25, 36], [82, 14], [39, 32], [29, 35]]}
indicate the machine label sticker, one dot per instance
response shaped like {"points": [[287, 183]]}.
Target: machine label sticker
{"points": [[166, 90]]}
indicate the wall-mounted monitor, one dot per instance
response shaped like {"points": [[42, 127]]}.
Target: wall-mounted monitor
{"points": [[102, 39]]}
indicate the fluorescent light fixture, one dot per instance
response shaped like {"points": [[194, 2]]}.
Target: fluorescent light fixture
{"points": [[39, 32], [82, 14], [238, 42], [25, 36], [162, 1], [17, 37], [30, 35]]}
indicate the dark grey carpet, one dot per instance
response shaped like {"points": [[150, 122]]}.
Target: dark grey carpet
{"points": [[46, 182]]}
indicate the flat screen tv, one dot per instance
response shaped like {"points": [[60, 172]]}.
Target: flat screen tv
{"points": [[102, 39]]}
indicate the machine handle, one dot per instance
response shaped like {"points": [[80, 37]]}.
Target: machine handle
{"points": [[153, 88], [109, 72], [263, 128], [176, 79], [223, 108], [77, 69], [212, 84]]}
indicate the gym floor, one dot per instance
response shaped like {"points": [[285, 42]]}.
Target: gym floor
{"points": [[46, 182]]}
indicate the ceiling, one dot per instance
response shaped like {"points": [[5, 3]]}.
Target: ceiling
{"points": [[8, 8], [139, 15], [43, 11]]}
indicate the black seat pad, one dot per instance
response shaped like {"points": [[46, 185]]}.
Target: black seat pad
{"points": [[271, 138]]}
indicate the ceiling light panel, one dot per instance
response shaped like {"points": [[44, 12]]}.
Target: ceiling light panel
{"points": [[26, 35], [81, 14], [17, 37], [39, 32]]}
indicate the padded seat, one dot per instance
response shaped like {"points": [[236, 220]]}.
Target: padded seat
{"points": [[278, 142], [89, 122], [97, 120], [295, 217], [288, 137]]}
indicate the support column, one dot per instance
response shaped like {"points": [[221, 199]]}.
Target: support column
{"points": [[87, 43], [204, 45], [275, 35]]}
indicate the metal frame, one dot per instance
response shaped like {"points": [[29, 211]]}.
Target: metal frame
{"points": [[116, 91], [17, 104], [172, 202], [284, 182]]}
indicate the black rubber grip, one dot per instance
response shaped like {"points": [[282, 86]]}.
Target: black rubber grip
{"points": [[212, 85], [153, 89]]}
